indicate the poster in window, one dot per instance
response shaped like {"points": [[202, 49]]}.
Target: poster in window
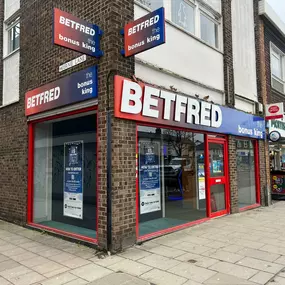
{"points": [[149, 178], [201, 180], [73, 180]]}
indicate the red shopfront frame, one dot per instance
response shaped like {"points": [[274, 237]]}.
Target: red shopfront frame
{"points": [[209, 137], [30, 201], [257, 175]]}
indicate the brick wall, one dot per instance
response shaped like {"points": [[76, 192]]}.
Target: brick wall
{"points": [[272, 35], [13, 153], [1, 49], [228, 53], [233, 174], [263, 153], [39, 60], [262, 64]]}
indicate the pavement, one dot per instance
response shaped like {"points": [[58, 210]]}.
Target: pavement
{"points": [[241, 249]]}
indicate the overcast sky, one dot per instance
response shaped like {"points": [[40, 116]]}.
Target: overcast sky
{"points": [[279, 7]]}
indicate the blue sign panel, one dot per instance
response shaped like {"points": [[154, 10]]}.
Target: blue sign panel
{"points": [[238, 123], [74, 88], [145, 33], [73, 179]]}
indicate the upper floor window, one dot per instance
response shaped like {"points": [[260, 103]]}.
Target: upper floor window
{"points": [[195, 17], [277, 68], [152, 4], [209, 30], [13, 35], [182, 14]]}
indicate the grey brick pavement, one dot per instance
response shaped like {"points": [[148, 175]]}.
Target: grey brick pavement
{"points": [[241, 249]]}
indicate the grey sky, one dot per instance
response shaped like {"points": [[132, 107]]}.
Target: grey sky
{"points": [[279, 7]]}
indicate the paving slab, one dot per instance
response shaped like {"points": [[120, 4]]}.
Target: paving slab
{"points": [[91, 272], [192, 272], [27, 279], [262, 277], [247, 248], [134, 254], [158, 261], [277, 281], [261, 265], [226, 279], [198, 260], [159, 277], [130, 267], [234, 269], [119, 279], [259, 254]]}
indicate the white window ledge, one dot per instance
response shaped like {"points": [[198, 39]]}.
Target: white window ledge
{"points": [[9, 104], [11, 53]]}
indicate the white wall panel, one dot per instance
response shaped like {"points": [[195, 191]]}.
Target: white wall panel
{"points": [[11, 6], [185, 56], [11, 79], [244, 49]]}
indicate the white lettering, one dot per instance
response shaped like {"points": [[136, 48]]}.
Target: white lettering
{"points": [[29, 103], [168, 99], [143, 25], [76, 26], [131, 98], [44, 97], [216, 116], [61, 20], [56, 93], [193, 109], [206, 113], [149, 102], [179, 108]]}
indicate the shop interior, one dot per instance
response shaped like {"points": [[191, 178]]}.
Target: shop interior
{"points": [[246, 173], [171, 178], [65, 160]]}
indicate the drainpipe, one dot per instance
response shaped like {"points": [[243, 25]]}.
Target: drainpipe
{"points": [[109, 162]]}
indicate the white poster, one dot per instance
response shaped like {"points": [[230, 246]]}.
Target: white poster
{"points": [[73, 180], [201, 180], [149, 177]]}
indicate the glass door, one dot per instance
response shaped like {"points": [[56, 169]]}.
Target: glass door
{"points": [[217, 173]]}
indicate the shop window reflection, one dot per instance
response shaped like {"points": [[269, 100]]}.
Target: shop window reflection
{"points": [[246, 173], [171, 178]]}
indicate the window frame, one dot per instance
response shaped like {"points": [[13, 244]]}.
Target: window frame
{"points": [[194, 6], [210, 17], [31, 148], [10, 26], [255, 149], [275, 51]]}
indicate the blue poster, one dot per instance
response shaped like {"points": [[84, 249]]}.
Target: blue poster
{"points": [[150, 200], [73, 179]]}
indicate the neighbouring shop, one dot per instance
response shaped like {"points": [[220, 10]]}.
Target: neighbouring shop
{"points": [[277, 157], [62, 120], [247, 170], [182, 156]]}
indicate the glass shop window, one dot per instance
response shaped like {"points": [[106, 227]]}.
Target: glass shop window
{"points": [[65, 175], [171, 178], [246, 173]]}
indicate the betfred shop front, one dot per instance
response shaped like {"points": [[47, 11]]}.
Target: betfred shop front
{"points": [[184, 174], [62, 178]]}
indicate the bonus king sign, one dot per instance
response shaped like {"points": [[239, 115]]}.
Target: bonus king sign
{"points": [[144, 33], [76, 34]]}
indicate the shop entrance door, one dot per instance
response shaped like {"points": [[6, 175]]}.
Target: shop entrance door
{"points": [[217, 176]]}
